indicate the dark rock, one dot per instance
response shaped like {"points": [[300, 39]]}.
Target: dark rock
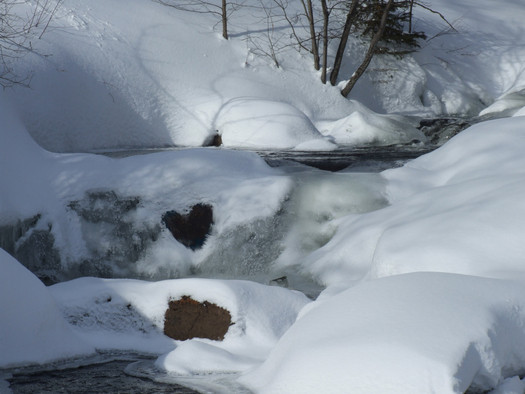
{"points": [[191, 229], [217, 140], [104, 206], [440, 130], [34, 248], [282, 281], [113, 236], [187, 318]]}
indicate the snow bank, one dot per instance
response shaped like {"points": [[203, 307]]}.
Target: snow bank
{"points": [[146, 75], [457, 209], [263, 124], [32, 329], [116, 80], [413, 333], [129, 315]]}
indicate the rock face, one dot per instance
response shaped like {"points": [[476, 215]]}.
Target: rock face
{"points": [[191, 229], [112, 234], [34, 248], [187, 318]]}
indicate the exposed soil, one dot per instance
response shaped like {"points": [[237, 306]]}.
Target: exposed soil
{"points": [[187, 318]]}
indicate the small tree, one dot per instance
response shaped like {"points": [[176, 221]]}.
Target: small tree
{"points": [[371, 50], [16, 34], [349, 21], [383, 24], [395, 39]]}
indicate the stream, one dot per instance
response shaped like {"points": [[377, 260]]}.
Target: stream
{"points": [[117, 374], [112, 374]]}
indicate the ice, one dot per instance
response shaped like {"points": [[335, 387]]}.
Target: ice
{"points": [[456, 210]]}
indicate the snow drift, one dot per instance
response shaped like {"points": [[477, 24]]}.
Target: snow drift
{"points": [[413, 333], [32, 329]]}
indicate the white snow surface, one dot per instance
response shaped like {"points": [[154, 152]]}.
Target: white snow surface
{"points": [[255, 123], [437, 281], [108, 76], [113, 314], [240, 186], [457, 209], [32, 329], [413, 333], [424, 295], [366, 127]]}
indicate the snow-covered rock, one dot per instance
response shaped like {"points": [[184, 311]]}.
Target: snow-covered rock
{"points": [[262, 124], [129, 315], [364, 127]]}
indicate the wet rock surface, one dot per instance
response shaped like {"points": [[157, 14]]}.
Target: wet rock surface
{"points": [[112, 233], [31, 242], [190, 229], [187, 318], [440, 130]]}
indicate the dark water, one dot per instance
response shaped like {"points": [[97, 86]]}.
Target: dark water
{"points": [[107, 377], [370, 158]]}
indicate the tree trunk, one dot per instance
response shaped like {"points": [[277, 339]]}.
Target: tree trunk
{"points": [[370, 53], [224, 15], [342, 42], [315, 50], [410, 16], [326, 16]]}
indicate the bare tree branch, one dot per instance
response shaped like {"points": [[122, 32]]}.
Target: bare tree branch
{"points": [[17, 29], [436, 12]]}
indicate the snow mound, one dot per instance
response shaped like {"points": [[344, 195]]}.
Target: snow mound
{"points": [[265, 124], [129, 315], [457, 209], [364, 127], [414, 333], [32, 329]]}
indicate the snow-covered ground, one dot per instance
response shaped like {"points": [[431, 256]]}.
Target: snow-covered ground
{"points": [[422, 265], [145, 75]]}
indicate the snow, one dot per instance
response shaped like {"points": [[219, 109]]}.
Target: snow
{"points": [[456, 209], [33, 330], [366, 127], [431, 284], [414, 333], [239, 185], [113, 314], [263, 124], [113, 75], [423, 265]]}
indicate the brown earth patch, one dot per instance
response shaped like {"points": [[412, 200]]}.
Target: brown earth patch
{"points": [[187, 318]]}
